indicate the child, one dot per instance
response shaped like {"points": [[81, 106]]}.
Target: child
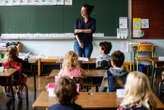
{"points": [[12, 61], [70, 67], [117, 60], [138, 94], [65, 90], [103, 59], [161, 86], [162, 77]]}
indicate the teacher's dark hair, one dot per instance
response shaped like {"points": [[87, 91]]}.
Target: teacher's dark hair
{"points": [[89, 8]]}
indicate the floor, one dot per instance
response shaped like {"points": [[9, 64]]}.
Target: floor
{"points": [[6, 103]]}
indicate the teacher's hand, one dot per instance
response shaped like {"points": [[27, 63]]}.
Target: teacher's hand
{"points": [[78, 30], [81, 44]]}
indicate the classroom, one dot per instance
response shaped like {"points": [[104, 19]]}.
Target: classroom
{"points": [[44, 32]]}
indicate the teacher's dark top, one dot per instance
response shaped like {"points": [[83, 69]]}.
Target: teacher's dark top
{"points": [[80, 24]]}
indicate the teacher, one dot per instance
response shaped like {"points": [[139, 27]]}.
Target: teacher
{"points": [[85, 26]]}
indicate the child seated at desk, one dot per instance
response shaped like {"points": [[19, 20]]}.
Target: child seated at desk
{"points": [[66, 93], [116, 71], [70, 66], [102, 62], [12, 61], [138, 94]]}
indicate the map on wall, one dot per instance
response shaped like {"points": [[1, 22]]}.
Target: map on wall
{"points": [[34, 2]]}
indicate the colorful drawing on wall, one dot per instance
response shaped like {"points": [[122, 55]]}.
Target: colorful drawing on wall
{"points": [[137, 23]]}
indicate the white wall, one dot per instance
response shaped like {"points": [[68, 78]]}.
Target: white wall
{"points": [[60, 47]]}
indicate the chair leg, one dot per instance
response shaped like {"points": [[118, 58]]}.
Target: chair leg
{"points": [[137, 65], [26, 89]]}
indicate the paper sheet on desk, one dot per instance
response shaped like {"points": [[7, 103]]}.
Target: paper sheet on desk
{"points": [[33, 59], [82, 59], [161, 58], [120, 93]]}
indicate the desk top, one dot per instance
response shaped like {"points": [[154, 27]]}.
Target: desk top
{"points": [[155, 59], [7, 72], [90, 61], [85, 99], [57, 60], [97, 100], [95, 73], [88, 73], [3, 49]]}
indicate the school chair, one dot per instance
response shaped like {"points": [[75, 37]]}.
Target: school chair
{"points": [[103, 65], [144, 48], [161, 90], [118, 83], [128, 66]]}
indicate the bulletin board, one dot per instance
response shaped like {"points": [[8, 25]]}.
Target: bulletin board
{"points": [[152, 10]]}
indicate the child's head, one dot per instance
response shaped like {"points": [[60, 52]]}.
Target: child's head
{"points": [[12, 53], [105, 47], [137, 90], [117, 58], [162, 75], [65, 90], [70, 59]]}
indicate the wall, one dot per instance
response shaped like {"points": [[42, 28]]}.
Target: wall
{"points": [[60, 47]]}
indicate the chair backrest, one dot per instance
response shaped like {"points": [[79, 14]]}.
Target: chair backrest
{"points": [[145, 48], [127, 65], [118, 83], [103, 64]]}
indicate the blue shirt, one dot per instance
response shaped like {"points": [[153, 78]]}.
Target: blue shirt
{"points": [[100, 59], [103, 57], [65, 107], [80, 24]]}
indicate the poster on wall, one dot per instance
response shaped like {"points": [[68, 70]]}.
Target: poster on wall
{"points": [[137, 33], [137, 23], [123, 22], [145, 23], [34, 2], [59, 2], [68, 2]]}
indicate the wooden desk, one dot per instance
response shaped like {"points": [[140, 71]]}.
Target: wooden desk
{"points": [[8, 73], [41, 60], [93, 78], [97, 100], [56, 60], [127, 65], [88, 73]]}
